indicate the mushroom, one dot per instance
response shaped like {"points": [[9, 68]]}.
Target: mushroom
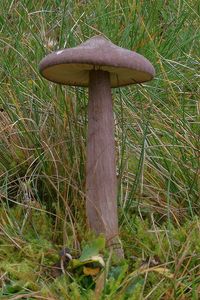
{"points": [[99, 65]]}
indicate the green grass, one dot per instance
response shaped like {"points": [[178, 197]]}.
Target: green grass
{"points": [[43, 130]]}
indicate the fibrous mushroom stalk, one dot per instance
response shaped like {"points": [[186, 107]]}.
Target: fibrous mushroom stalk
{"points": [[101, 181]]}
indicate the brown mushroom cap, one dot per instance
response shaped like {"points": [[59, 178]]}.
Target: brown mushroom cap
{"points": [[71, 66]]}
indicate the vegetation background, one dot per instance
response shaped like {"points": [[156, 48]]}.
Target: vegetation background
{"points": [[42, 150]]}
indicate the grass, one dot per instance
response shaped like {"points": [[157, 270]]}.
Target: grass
{"points": [[42, 149]]}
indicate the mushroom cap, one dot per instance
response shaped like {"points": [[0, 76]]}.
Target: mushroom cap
{"points": [[71, 66]]}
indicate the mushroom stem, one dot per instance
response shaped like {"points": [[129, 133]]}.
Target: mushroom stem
{"points": [[101, 181]]}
